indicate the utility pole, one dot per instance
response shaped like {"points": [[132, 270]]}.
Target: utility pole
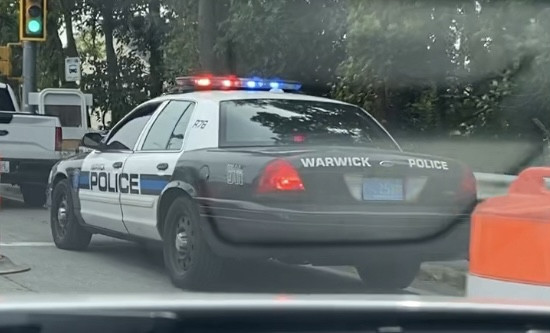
{"points": [[32, 29], [29, 73]]}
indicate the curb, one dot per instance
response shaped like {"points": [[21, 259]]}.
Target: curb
{"points": [[451, 273]]}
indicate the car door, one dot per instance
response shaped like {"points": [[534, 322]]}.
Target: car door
{"points": [[154, 161], [102, 172]]}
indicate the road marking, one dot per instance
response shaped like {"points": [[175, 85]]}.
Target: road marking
{"points": [[27, 244], [419, 291]]}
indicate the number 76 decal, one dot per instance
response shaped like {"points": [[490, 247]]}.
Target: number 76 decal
{"points": [[200, 124]]}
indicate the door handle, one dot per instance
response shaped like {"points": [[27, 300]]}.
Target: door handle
{"points": [[117, 165], [162, 166], [4, 132]]}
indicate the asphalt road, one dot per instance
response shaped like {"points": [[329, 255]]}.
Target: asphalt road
{"points": [[114, 266]]}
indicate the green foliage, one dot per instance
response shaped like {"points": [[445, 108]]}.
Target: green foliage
{"points": [[8, 21], [181, 51], [466, 67], [296, 39]]}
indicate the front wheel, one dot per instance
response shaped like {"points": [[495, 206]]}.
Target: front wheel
{"points": [[33, 195], [389, 275], [187, 257], [67, 233]]}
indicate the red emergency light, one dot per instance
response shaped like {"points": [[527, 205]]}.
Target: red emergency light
{"points": [[209, 82]]}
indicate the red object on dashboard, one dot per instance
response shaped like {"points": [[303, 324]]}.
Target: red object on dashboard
{"points": [[299, 138]]}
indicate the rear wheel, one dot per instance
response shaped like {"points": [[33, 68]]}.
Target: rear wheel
{"points": [[388, 274], [187, 257], [67, 233], [33, 195]]}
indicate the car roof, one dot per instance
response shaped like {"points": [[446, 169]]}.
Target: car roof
{"points": [[218, 96]]}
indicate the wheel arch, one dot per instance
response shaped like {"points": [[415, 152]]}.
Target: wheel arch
{"points": [[57, 178], [172, 191]]}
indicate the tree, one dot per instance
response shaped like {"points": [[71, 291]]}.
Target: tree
{"points": [[432, 67], [8, 21], [293, 39]]}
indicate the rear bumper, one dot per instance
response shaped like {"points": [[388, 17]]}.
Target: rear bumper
{"points": [[27, 171], [333, 237]]}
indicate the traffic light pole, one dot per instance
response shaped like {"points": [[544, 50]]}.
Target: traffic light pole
{"points": [[29, 73]]}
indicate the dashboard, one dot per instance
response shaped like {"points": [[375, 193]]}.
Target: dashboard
{"points": [[274, 315]]}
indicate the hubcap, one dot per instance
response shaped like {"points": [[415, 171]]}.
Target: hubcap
{"points": [[62, 218], [182, 243]]}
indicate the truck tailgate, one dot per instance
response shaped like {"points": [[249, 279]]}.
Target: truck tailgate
{"points": [[27, 136]]}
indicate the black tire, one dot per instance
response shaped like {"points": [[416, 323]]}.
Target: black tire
{"points": [[67, 233], [33, 195], [194, 265], [388, 275]]}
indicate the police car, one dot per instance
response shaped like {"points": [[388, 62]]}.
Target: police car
{"points": [[251, 169]]}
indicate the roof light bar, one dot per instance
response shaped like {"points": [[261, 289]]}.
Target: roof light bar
{"points": [[208, 82]]}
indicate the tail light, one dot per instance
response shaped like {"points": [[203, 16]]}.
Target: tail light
{"points": [[58, 138], [468, 185], [278, 176]]}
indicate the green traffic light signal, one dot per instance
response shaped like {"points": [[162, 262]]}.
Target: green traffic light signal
{"points": [[34, 26], [32, 20]]}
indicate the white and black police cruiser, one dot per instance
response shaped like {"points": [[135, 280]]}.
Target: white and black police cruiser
{"points": [[245, 168]]}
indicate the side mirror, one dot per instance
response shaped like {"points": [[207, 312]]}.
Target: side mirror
{"points": [[92, 141]]}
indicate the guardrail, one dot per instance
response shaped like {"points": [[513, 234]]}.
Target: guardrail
{"points": [[492, 184]]}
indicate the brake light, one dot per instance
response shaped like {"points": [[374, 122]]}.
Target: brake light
{"points": [[468, 185], [280, 175], [58, 138]]}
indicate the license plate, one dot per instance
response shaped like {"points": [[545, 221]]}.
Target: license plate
{"points": [[383, 189], [4, 166]]}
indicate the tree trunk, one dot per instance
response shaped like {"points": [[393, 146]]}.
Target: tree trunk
{"points": [[156, 59], [207, 35], [108, 27], [67, 7], [112, 62], [52, 30], [211, 14], [226, 58]]}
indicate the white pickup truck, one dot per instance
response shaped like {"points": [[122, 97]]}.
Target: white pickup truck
{"points": [[30, 145]]}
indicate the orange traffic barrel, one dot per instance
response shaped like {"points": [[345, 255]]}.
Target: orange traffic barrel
{"points": [[510, 241]]}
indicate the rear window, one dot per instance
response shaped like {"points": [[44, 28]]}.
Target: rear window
{"points": [[268, 122], [69, 115], [6, 104]]}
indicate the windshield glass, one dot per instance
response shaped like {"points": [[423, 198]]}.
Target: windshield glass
{"points": [[264, 122], [282, 146]]}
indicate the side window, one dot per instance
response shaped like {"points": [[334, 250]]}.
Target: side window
{"points": [[168, 130], [176, 139], [126, 135]]}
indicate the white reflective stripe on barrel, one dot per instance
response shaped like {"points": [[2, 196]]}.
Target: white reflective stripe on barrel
{"points": [[491, 288]]}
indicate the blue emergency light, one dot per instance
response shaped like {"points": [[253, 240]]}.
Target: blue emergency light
{"points": [[208, 82]]}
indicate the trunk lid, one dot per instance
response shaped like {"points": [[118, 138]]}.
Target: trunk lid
{"points": [[374, 177]]}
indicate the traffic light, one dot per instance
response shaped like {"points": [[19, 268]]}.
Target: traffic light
{"points": [[32, 20]]}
